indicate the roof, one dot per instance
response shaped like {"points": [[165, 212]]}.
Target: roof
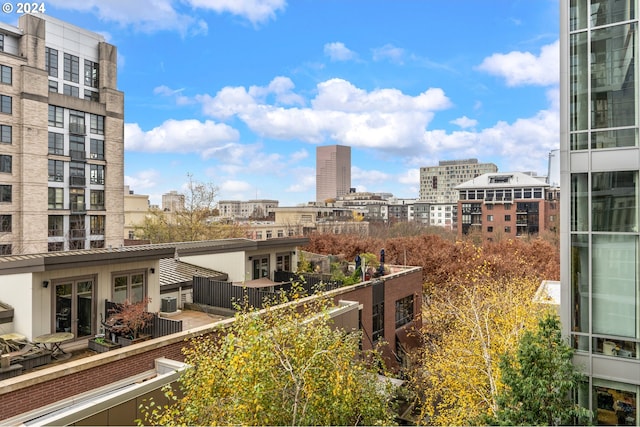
{"points": [[176, 272], [503, 180]]}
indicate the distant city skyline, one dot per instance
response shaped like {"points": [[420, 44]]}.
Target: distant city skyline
{"points": [[240, 94]]}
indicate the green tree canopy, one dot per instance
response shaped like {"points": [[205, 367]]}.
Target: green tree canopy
{"points": [[539, 380], [283, 366]]}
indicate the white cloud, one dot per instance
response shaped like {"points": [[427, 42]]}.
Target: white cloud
{"points": [[524, 68], [337, 51], [410, 177], [390, 53], [143, 179], [369, 176], [464, 122], [256, 11], [180, 136], [303, 179], [299, 155]]}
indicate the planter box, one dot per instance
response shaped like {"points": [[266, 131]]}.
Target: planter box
{"points": [[31, 361], [101, 347], [129, 341], [11, 371], [6, 313]]}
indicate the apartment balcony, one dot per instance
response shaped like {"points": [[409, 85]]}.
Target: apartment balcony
{"points": [[77, 129], [77, 207], [77, 181]]}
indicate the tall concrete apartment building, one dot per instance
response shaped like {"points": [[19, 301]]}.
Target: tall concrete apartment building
{"points": [[173, 201], [333, 172], [60, 112], [438, 183], [600, 163]]}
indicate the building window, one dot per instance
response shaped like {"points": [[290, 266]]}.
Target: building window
{"points": [[55, 246], [97, 124], [56, 143], [489, 207], [269, 234], [56, 116], [56, 198], [97, 174], [613, 201], [91, 95], [507, 206], [5, 194], [97, 149], [5, 223], [5, 249], [507, 217], [490, 229], [71, 90], [76, 174], [6, 104], [76, 244], [1, 42], [378, 321], [132, 235], [507, 229], [6, 74], [56, 225], [97, 200], [128, 287], [53, 86], [77, 150], [96, 225], [489, 218], [76, 122], [6, 134], [71, 68], [56, 171], [5, 163], [280, 233], [51, 61], [90, 73], [97, 244], [404, 311], [260, 267], [259, 235], [283, 262]]}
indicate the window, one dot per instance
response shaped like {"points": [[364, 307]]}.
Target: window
{"points": [[71, 68], [283, 262], [97, 174], [56, 116], [5, 194], [77, 150], [1, 42], [76, 122], [269, 234], [128, 287], [53, 86], [507, 229], [260, 267], [280, 233], [507, 217], [96, 244], [507, 206], [96, 224], [404, 311], [97, 149], [90, 73], [5, 249], [71, 90], [91, 95], [614, 201], [489, 207], [51, 61], [56, 143], [56, 225], [56, 198], [5, 163], [5, 104], [5, 134], [6, 74], [56, 171], [489, 218], [490, 229], [76, 172], [97, 200], [5, 223], [55, 246], [378, 321], [97, 124]]}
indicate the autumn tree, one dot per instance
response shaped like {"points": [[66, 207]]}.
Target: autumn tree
{"points": [[191, 221], [282, 366], [539, 380], [470, 321]]}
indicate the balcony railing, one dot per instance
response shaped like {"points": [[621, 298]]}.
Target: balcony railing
{"points": [[77, 181], [77, 129], [77, 234], [77, 207], [77, 155]]}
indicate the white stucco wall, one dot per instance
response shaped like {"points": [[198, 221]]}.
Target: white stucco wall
{"points": [[234, 264], [17, 291]]}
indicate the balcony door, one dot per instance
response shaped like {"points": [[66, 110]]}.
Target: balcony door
{"points": [[74, 306]]}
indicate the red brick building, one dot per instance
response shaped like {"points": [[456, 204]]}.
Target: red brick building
{"points": [[507, 205]]}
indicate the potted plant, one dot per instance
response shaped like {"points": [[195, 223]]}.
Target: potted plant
{"points": [[128, 321], [100, 344]]}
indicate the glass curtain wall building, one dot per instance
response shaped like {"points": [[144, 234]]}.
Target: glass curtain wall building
{"points": [[600, 163]]}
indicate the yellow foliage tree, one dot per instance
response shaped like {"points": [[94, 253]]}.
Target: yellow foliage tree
{"points": [[286, 366], [470, 322]]}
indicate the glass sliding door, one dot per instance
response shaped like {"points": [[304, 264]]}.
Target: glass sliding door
{"points": [[74, 307]]}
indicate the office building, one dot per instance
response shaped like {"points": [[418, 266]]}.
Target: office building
{"points": [[600, 162], [438, 183], [333, 172], [60, 111], [173, 201]]}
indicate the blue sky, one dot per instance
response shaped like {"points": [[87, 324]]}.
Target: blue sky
{"points": [[240, 92]]}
